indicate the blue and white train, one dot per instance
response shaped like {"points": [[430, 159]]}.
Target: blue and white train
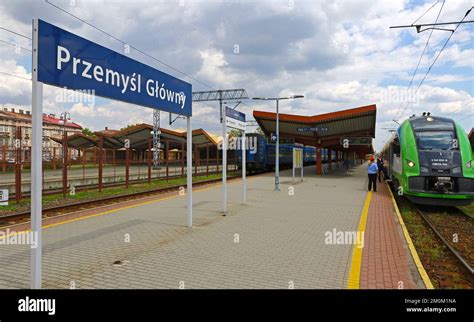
{"points": [[264, 157]]}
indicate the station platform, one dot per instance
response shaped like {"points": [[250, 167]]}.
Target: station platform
{"points": [[279, 240]]}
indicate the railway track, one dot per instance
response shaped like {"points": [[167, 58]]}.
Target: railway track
{"points": [[24, 216], [450, 223]]}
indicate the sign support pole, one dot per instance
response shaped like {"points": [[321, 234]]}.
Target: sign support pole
{"points": [[277, 150], [302, 168], [244, 168], [189, 170], [224, 163], [36, 168]]}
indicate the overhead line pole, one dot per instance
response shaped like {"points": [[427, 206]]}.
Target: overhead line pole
{"points": [[418, 26]]}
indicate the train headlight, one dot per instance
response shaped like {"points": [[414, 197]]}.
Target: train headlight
{"points": [[411, 164], [469, 164]]}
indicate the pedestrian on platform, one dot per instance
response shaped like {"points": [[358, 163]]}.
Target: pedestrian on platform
{"points": [[346, 165], [380, 167], [372, 172]]}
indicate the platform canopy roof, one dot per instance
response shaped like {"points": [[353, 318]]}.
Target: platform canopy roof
{"points": [[78, 141], [139, 136], [354, 122]]}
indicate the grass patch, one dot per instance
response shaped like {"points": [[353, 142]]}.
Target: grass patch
{"points": [[93, 194], [468, 210], [435, 257]]}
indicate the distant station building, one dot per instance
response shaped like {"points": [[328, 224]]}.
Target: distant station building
{"points": [[173, 144], [346, 133], [11, 120]]}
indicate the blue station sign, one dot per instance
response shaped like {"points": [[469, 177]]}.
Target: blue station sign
{"points": [[235, 119], [69, 61]]}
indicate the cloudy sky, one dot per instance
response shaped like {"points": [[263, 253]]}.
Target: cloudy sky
{"points": [[339, 54]]}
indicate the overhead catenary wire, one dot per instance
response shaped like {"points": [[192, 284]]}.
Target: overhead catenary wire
{"points": [[131, 46], [13, 75], [437, 56], [14, 45], [422, 54], [434, 4], [15, 33]]}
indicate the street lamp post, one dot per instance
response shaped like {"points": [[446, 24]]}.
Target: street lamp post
{"points": [[277, 147]]}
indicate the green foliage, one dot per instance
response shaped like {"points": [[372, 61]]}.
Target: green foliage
{"points": [[86, 131]]}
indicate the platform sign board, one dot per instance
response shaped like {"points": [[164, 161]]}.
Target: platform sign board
{"points": [[312, 129], [235, 119], [63, 59], [272, 140], [273, 137], [69, 61], [356, 140], [3, 197], [297, 161]]}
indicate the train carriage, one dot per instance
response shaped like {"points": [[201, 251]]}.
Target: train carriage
{"points": [[430, 160]]}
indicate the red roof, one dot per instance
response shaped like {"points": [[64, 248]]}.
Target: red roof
{"points": [[27, 118], [315, 118], [53, 120], [359, 121]]}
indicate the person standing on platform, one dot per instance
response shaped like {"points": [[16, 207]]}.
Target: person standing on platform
{"points": [[372, 172], [380, 168], [346, 165]]}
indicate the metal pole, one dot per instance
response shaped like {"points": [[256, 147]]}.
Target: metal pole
{"points": [[277, 150], [224, 163], [207, 159], [244, 167], [167, 155], [149, 161], [101, 146], [18, 165], [64, 169], [302, 165], [189, 189], [36, 165], [294, 165], [127, 163]]}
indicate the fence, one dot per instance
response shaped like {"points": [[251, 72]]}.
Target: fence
{"points": [[90, 168]]}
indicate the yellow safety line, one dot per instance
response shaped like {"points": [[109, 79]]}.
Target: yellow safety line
{"points": [[414, 253], [354, 273], [117, 209]]}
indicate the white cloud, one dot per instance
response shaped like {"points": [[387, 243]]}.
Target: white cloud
{"points": [[339, 54]]}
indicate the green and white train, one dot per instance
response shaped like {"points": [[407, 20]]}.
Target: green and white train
{"points": [[430, 160]]}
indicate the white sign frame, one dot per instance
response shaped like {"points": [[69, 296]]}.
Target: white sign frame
{"points": [[4, 195]]}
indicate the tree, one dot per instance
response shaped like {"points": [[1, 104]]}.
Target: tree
{"points": [[234, 133], [128, 126], [86, 131]]}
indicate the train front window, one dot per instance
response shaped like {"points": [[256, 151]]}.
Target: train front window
{"points": [[435, 140]]}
